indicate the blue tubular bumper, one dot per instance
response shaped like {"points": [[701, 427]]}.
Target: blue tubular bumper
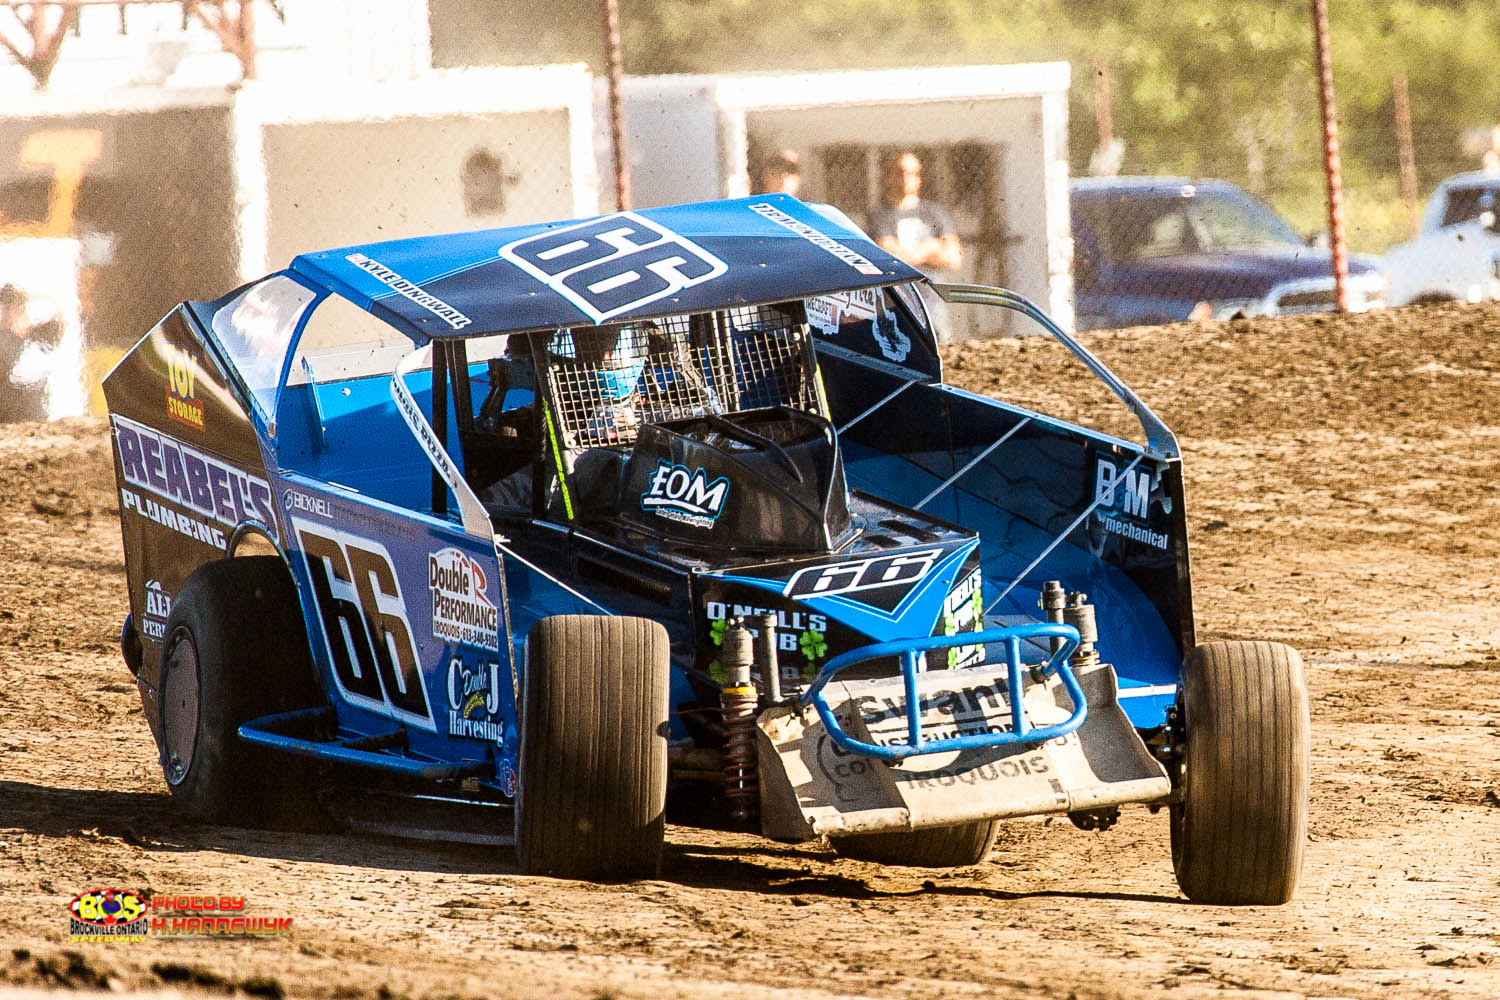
{"points": [[910, 650]]}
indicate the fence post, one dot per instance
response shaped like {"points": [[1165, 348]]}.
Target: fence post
{"points": [[1404, 149], [1331, 167]]}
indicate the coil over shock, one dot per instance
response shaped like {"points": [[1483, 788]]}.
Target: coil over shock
{"points": [[739, 701]]}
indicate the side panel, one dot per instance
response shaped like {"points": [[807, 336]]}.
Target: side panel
{"points": [[1128, 553], [188, 466], [407, 620]]}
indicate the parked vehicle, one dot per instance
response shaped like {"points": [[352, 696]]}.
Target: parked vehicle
{"points": [[499, 534], [1149, 250], [1456, 256]]}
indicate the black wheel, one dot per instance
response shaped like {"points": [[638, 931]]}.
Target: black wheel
{"points": [[130, 646], [235, 649], [1238, 833], [593, 781], [939, 847]]}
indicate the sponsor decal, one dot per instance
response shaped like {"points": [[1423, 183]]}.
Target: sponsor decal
{"points": [[461, 611], [189, 527], [857, 575], [410, 290], [173, 470], [822, 241], [680, 495], [802, 634], [107, 915], [474, 700], [158, 607], [308, 503], [829, 312], [611, 265], [1124, 498], [182, 390], [963, 611], [365, 630], [861, 305], [893, 343]]}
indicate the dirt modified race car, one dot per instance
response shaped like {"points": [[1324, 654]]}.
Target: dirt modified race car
{"points": [[501, 535]]}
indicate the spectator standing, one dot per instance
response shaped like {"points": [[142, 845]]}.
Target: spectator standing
{"points": [[917, 230], [781, 174], [24, 350]]}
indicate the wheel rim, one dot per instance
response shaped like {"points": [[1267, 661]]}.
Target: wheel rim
{"points": [[180, 707]]}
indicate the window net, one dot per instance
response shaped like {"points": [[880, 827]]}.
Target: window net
{"points": [[606, 381]]}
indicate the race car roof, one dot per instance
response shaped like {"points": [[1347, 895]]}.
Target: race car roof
{"points": [[612, 268]]}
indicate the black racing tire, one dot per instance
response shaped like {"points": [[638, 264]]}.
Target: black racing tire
{"points": [[1238, 832], [236, 649], [938, 847], [593, 773], [130, 646]]}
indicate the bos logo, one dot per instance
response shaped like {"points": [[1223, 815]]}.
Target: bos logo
{"points": [[611, 265], [108, 907], [686, 496], [365, 628], [861, 574], [1128, 492]]}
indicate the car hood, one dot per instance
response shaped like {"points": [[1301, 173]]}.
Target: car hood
{"points": [[1228, 274]]}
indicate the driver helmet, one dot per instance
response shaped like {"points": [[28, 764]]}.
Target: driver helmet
{"points": [[615, 353]]}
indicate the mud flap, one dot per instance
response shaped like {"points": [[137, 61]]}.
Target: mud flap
{"points": [[809, 786]]}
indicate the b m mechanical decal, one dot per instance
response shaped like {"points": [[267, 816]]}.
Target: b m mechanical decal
{"points": [[614, 264]]}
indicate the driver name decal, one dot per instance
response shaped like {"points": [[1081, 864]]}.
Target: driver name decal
{"points": [[614, 264], [689, 497], [410, 290]]}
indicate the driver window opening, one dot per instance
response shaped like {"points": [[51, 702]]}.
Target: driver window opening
{"points": [[599, 385]]}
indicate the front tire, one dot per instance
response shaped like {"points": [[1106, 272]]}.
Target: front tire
{"points": [[235, 649], [593, 775], [939, 847], [1239, 831]]}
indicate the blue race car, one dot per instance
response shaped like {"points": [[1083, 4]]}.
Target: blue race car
{"points": [[501, 535], [1151, 250]]}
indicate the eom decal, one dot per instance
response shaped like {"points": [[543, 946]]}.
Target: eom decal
{"points": [[107, 915], [182, 390], [685, 496], [611, 265], [365, 628], [861, 574]]}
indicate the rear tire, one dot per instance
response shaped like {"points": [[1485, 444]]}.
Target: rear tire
{"points": [[939, 847], [593, 775], [235, 649], [1238, 833]]}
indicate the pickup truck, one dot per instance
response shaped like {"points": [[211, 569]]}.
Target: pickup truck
{"points": [[1149, 250], [1456, 257]]}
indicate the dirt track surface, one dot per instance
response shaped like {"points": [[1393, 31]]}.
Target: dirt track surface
{"points": [[1341, 496]]}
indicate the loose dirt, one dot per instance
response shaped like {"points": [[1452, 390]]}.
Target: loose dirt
{"points": [[1342, 496]]}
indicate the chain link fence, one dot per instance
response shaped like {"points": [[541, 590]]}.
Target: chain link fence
{"points": [[116, 204]]}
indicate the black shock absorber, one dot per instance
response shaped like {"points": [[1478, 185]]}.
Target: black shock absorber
{"points": [[738, 703]]}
